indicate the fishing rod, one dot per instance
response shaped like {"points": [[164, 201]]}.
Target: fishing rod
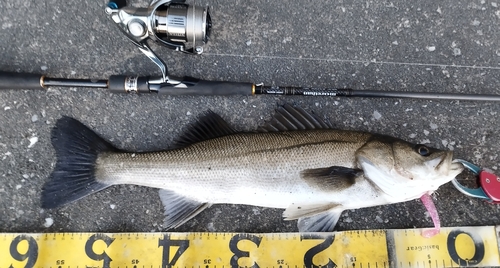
{"points": [[186, 28], [196, 87]]}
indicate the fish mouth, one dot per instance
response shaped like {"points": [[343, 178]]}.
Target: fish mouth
{"points": [[456, 167], [446, 160], [445, 163], [440, 162]]}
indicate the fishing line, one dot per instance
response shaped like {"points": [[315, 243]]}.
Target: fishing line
{"points": [[352, 61]]}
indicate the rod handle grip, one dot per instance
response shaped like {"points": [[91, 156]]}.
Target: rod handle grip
{"points": [[211, 88], [128, 84], [11, 80]]}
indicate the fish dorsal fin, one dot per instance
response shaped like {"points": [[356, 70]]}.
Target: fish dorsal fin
{"points": [[179, 209], [209, 126], [332, 178], [289, 118]]}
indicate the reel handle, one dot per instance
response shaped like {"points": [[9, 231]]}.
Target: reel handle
{"points": [[11, 80]]}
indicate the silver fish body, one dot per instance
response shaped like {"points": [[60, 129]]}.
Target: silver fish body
{"points": [[299, 164], [260, 169]]}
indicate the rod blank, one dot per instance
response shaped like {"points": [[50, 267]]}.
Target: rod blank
{"points": [[299, 91], [424, 95]]}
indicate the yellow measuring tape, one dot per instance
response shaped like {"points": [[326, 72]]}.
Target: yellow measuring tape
{"points": [[453, 247]]}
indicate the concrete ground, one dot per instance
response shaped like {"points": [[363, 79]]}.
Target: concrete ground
{"points": [[421, 45]]}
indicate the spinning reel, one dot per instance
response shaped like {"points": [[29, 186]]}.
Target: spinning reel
{"points": [[171, 23]]}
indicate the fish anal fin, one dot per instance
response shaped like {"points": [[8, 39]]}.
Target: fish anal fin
{"points": [[209, 126], [297, 210], [322, 222], [332, 178], [179, 209]]}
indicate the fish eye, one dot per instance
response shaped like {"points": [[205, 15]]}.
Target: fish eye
{"points": [[423, 150]]}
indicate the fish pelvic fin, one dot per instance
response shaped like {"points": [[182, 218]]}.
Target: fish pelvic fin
{"points": [[296, 210], [322, 222], [77, 148], [179, 209], [314, 217]]}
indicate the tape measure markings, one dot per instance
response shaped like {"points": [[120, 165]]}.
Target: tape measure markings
{"points": [[453, 247], [477, 246]]}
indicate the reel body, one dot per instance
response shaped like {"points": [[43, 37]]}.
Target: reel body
{"points": [[171, 23]]}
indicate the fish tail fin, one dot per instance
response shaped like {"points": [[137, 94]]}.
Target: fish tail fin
{"points": [[77, 148]]}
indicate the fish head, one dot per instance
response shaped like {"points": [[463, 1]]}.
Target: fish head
{"points": [[405, 171]]}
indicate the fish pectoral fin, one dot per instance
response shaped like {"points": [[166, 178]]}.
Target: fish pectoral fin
{"points": [[332, 178], [179, 209], [322, 222], [295, 211]]}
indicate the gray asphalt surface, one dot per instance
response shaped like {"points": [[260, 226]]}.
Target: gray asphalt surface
{"points": [[422, 45]]}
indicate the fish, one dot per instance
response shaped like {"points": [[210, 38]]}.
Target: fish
{"points": [[295, 161]]}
